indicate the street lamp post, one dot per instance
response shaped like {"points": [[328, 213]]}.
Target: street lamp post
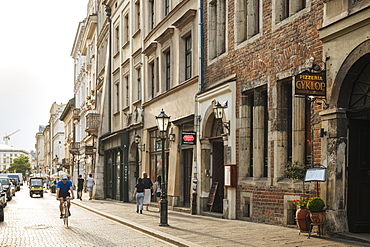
{"points": [[163, 121]]}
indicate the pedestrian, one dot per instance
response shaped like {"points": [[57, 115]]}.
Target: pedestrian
{"points": [[157, 191], [139, 192], [90, 182], [47, 183], [80, 186], [148, 190]]}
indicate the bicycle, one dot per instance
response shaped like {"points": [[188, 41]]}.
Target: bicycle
{"points": [[65, 210]]}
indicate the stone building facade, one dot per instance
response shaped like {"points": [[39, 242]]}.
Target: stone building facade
{"points": [[253, 51], [246, 58]]}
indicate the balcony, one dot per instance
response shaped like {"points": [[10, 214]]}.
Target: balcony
{"points": [[76, 114], [92, 123], [74, 148]]}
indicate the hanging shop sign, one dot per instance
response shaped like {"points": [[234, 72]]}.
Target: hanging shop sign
{"points": [[188, 138], [307, 83]]}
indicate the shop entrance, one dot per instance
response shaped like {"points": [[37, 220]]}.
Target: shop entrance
{"points": [[218, 173], [358, 112], [359, 176]]}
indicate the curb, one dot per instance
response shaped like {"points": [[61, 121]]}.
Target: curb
{"points": [[151, 232]]}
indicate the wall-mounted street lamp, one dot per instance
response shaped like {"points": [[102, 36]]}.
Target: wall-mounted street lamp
{"points": [[141, 147], [218, 111], [162, 122]]}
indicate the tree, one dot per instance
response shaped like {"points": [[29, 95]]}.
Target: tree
{"points": [[20, 165]]}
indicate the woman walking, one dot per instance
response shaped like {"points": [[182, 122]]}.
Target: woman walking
{"points": [[148, 190], [139, 192], [157, 191]]}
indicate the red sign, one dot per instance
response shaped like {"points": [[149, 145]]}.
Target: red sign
{"points": [[188, 138]]}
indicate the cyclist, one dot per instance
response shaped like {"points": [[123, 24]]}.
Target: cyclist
{"points": [[63, 188]]}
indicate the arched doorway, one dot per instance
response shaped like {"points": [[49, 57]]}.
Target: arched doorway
{"points": [[358, 113]]}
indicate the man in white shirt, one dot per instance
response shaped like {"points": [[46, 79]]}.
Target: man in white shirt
{"points": [[90, 182]]}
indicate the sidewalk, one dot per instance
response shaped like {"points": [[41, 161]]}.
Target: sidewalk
{"points": [[195, 230]]}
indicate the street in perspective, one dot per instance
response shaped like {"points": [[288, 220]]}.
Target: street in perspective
{"points": [[34, 221]]}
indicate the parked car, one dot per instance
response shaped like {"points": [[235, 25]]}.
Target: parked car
{"points": [[5, 181], [2, 202]]}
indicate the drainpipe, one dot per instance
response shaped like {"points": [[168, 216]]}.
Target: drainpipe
{"points": [[108, 10], [196, 122]]}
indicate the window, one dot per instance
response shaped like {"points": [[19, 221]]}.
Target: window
{"points": [[256, 117], [166, 7], [151, 14], [138, 84], [286, 8], [152, 80], [247, 19], [126, 91], [126, 33], [116, 40], [217, 28], [188, 57], [137, 9], [168, 70], [116, 95]]}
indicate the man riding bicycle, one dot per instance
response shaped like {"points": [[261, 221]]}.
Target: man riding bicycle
{"points": [[63, 188]]}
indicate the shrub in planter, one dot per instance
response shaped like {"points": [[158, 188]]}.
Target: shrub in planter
{"points": [[315, 204]]}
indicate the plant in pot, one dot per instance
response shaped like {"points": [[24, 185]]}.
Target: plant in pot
{"points": [[295, 170], [316, 207], [301, 214]]}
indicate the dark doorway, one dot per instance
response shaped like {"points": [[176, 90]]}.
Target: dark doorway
{"points": [[359, 176], [187, 155], [218, 173]]}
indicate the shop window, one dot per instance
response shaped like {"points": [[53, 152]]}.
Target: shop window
{"points": [[156, 155]]}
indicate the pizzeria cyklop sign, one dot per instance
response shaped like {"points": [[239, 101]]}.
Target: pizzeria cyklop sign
{"points": [[307, 83], [188, 138]]}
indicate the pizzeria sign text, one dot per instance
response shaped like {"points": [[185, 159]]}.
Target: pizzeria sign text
{"points": [[307, 83]]}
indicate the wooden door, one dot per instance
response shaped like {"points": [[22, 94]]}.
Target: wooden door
{"points": [[359, 176]]}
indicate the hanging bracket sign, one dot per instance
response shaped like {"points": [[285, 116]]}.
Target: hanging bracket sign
{"points": [[307, 83], [189, 138]]}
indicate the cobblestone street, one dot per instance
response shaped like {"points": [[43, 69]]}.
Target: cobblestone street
{"points": [[35, 222]]}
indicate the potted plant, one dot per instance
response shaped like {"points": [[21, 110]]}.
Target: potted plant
{"points": [[295, 170], [301, 214], [316, 207]]}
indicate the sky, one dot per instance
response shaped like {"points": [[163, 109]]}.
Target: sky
{"points": [[36, 68]]}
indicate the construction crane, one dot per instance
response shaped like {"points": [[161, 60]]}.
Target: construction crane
{"points": [[7, 137]]}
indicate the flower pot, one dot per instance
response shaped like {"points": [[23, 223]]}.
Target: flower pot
{"points": [[317, 217], [302, 219]]}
